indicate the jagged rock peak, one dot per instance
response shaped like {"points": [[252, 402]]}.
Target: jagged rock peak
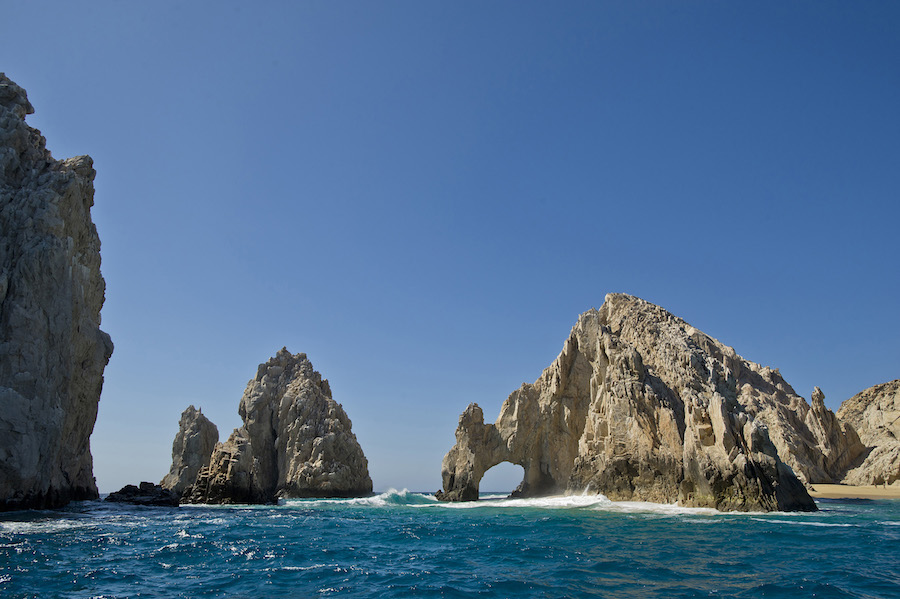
{"points": [[193, 445], [639, 405], [296, 441], [875, 414], [53, 351]]}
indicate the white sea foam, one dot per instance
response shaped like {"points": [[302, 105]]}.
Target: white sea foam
{"points": [[802, 523], [391, 497], [41, 526]]}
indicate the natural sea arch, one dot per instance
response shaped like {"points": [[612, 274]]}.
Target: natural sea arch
{"points": [[504, 478]]}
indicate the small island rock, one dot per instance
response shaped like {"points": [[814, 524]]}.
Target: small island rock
{"points": [[193, 445], [145, 494], [296, 441]]}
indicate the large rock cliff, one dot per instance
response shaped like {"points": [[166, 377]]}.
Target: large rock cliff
{"points": [[875, 414], [641, 406], [296, 441], [52, 351], [193, 445]]}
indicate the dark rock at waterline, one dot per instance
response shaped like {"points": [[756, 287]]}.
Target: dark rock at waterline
{"points": [[145, 494]]}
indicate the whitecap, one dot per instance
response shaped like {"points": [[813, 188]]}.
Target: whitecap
{"points": [[800, 522], [391, 497]]}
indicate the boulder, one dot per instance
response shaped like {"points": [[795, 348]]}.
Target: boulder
{"points": [[296, 441], [639, 405], [193, 445], [52, 351], [145, 494], [875, 415]]}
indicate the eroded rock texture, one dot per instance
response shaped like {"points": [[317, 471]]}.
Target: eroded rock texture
{"points": [[193, 445], [52, 351], [296, 441], [639, 406], [875, 414]]}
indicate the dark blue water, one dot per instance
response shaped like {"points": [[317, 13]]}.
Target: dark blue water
{"points": [[407, 545]]}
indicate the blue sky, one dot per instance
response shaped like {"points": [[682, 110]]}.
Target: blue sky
{"points": [[424, 196]]}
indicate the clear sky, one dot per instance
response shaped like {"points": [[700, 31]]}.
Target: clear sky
{"points": [[424, 196]]}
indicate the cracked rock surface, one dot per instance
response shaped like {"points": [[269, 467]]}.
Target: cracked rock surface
{"points": [[52, 351]]}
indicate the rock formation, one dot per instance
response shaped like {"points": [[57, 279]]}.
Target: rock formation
{"points": [[193, 445], [52, 351], [145, 494], [638, 406], [875, 414], [295, 442]]}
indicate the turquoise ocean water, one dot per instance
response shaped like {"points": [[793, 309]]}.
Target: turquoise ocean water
{"points": [[402, 544]]}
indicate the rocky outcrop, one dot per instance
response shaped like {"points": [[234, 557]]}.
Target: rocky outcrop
{"points": [[296, 441], [638, 406], [52, 351], [145, 494], [875, 414], [193, 445]]}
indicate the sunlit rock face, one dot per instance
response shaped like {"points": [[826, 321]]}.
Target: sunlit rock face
{"points": [[296, 441], [193, 445], [875, 414], [52, 351], [639, 405]]}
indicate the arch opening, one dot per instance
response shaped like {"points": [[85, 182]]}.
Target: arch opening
{"points": [[501, 480]]}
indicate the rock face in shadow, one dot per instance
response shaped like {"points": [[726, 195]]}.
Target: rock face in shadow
{"points": [[52, 351], [193, 445], [875, 414], [638, 406], [296, 441]]}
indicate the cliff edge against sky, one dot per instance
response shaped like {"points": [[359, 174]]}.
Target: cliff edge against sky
{"points": [[640, 405], [296, 441], [52, 351]]}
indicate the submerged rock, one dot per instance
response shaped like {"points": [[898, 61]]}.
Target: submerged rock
{"points": [[52, 351], [296, 441], [193, 445], [145, 494], [638, 406], [875, 414]]}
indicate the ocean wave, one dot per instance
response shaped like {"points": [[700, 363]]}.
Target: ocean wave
{"points": [[802, 523], [41, 526], [391, 497]]}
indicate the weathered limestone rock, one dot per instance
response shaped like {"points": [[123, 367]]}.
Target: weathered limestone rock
{"points": [[875, 414], [638, 406], [145, 494], [229, 477], [52, 351], [194, 443], [296, 441]]}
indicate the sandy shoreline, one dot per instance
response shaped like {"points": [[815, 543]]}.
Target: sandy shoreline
{"points": [[854, 492]]}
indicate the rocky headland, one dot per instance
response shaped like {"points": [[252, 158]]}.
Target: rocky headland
{"points": [[193, 445], [296, 441], [640, 405], [875, 415], [52, 351]]}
